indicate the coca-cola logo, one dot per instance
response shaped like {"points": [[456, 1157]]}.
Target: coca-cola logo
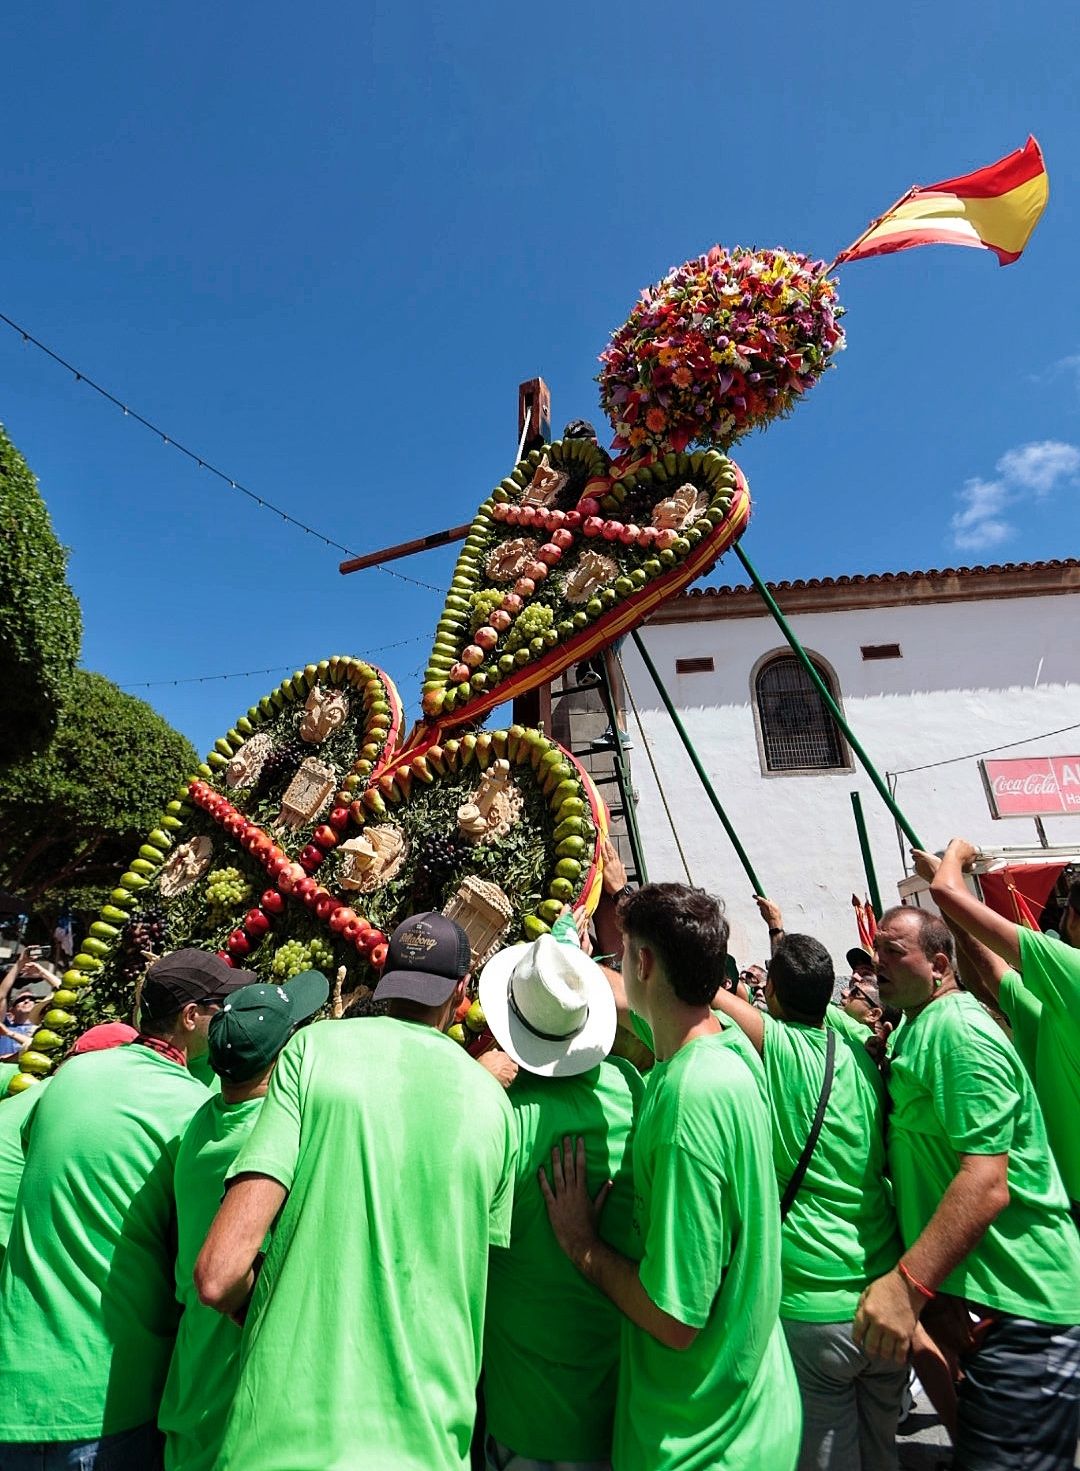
{"points": [[1031, 786]]}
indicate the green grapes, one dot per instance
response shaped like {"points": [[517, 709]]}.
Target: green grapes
{"points": [[295, 956], [484, 604], [290, 959], [532, 622], [226, 891]]}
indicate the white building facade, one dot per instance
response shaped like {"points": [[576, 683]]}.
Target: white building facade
{"points": [[930, 668]]}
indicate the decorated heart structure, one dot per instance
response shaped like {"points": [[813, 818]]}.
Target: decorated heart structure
{"points": [[566, 554], [308, 834]]}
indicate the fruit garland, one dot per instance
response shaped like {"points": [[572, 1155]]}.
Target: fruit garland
{"points": [[521, 607]]}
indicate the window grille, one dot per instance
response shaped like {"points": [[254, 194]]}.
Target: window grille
{"points": [[797, 731]]}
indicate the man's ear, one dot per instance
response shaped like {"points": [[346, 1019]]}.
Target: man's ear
{"points": [[189, 1016], [459, 992]]}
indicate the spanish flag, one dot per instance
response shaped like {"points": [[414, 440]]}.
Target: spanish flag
{"points": [[995, 208]]}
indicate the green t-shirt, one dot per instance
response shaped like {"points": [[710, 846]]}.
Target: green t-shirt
{"points": [[840, 1232], [551, 1340], [88, 1275], [958, 1087], [708, 1227], [1042, 1004], [206, 1360], [199, 1067], [363, 1340], [12, 1158]]}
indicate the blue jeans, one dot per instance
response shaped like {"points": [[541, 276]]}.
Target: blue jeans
{"points": [[126, 1450], [1019, 1400]]}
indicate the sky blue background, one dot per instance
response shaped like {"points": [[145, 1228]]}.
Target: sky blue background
{"points": [[323, 244]]}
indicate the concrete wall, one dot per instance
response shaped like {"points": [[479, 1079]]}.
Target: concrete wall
{"points": [[973, 675]]}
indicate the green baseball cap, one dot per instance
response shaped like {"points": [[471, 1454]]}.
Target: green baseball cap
{"points": [[255, 1022]]}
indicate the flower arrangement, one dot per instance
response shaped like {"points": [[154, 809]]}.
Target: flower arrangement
{"points": [[722, 345]]}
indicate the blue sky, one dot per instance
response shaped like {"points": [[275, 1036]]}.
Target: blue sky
{"points": [[322, 246]]}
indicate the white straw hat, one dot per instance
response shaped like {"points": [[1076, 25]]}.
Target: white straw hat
{"points": [[549, 1006]]}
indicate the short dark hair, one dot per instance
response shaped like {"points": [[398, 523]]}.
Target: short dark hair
{"points": [[1073, 899], [688, 932], [935, 937], [802, 975]]}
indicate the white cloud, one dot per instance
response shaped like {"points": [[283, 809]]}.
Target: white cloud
{"points": [[1029, 472], [1040, 466]]}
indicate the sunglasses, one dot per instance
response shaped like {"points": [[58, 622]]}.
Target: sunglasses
{"points": [[856, 991]]}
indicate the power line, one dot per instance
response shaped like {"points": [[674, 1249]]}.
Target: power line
{"points": [[198, 460], [146, 684], [1007, 746]]}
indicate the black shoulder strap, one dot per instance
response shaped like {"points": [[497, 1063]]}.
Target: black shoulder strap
{"points": [[815, 1128]]}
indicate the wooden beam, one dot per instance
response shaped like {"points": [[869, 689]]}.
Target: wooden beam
{"points": [[534, 399], [404, 549]]}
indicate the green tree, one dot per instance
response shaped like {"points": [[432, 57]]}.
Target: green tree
{"points": [[40, 623], [73, 814]]}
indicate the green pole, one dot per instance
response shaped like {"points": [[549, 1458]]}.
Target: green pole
{"points": [[622, 775], [867, 857], [826, 694], [703, 775]]}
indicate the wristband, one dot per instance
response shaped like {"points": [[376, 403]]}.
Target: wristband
{"points": [[622, 893], [919, 1287], [778, 930]]}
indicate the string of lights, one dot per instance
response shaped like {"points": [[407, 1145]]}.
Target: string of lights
{"points": [[200, 461], [146, 684]]}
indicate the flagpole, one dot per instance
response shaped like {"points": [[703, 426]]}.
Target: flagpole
{"points": [[826, 694], [871, 227]]}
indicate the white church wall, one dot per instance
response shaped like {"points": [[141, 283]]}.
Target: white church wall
{"points": [[973, 675]]}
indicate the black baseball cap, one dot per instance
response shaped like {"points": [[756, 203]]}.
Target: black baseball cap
{"points": [[427, 956], [859, 956], [185, 976], [255, 1022]]}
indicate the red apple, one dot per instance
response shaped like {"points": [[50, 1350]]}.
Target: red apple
{"points": [[351, 929], [311, 857], [277, 864], [238, 943], [377, 958], [325, 837], [256, 923], [226, 957], [291, 875], [305, 890], [339, 819], [272, 902], [325, 905], [340, 918]]}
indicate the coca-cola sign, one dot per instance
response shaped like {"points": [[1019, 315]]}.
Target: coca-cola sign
{"points": [[1032, 786]]}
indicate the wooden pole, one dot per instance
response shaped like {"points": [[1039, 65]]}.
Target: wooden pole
{"points": [[534, 400]]}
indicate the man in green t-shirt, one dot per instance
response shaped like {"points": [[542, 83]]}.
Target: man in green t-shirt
{"points": [[245, 1038], [1039, 994], [384, 1158], [983, 1215], [551, 1339], [839, 1231], [13, 1116], [705, 1377], [88, 1275]]}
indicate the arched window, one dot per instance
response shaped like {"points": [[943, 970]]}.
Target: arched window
{"points": [[797, 731]]}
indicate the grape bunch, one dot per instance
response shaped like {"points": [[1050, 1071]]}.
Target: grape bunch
{"points": [[438, 859], [145, 933], [226, 891], [289, 960], [534, 621], [294, 956], [279, 766], [321, 955]]}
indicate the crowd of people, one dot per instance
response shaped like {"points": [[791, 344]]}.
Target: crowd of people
{"points": [[365, 1248]]}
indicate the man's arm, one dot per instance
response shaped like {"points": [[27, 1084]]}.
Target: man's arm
{"points": [[773, 918], [956, 902], [890, 1307], [574, 1218], [746, 1017], [225, 1270]]}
